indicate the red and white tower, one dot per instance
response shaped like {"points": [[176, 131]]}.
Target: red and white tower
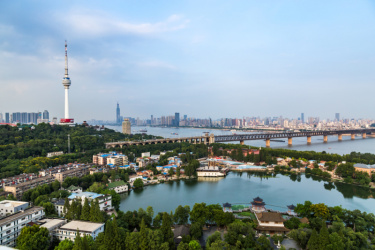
{"points": [[66, 82]]}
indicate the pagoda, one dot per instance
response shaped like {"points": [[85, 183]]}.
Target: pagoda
{"points": [[257, 205]]}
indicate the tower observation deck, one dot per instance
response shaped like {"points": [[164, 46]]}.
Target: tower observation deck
{"points": [[66, 82]]}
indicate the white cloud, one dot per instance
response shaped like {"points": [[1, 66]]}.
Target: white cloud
{"points": [[95, 23], [157, 64]]}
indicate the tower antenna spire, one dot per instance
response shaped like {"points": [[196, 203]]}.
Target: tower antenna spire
{"points": [[66, 59]]}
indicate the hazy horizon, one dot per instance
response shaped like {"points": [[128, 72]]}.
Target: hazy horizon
{"points": [[203, 59]]}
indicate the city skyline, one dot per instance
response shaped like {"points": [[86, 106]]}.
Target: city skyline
{"points": [[222, 60]]}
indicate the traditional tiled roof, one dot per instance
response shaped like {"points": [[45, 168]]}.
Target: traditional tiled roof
{"points": [[227, 204], [268, 228], [291, 207], [270, 216]]}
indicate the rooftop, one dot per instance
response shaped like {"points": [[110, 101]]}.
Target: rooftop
{"points": [[50, 224], [83, 195], [9, 203], [116, 184], [270, 216], [83, 226], [19, 215]]}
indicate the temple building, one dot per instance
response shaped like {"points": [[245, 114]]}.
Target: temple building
{"points": [[270, 223], [257, 205], [227, 207], [291, 210]]}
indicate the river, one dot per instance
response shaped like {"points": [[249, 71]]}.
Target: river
{"points": [[277, 192], [299, 143]]}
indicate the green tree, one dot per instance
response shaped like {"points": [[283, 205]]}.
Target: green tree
{"points": [[95, 213], [181, 215], [66, 206], [34, 237], [196, 231], [138, 183], [313, 242], [323, 236], [144, 240], [200, 213], [55, 185], [85, 215], [336, 242], [65, 245], [78, 241], [194, 245], [166, 230]]}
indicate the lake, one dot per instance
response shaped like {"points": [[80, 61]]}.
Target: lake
{"points": [[241, 188]]}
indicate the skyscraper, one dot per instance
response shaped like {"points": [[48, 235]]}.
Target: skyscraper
{"points": [[303, 117], [337, 116], [118, 118], [46, 115], [66, 82], [7, 118], [177, 119]]}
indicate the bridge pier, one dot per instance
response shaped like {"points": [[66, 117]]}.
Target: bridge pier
{"points": [[364, 135], [325, 138], [242, 142], [268, 143], [309, 140], [340, 137], [290, 141], [352, 136]]}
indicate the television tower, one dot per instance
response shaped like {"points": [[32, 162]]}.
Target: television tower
{"points": [[66, 82]]}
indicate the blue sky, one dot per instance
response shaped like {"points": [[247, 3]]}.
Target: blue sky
{"points": [[200, 58]]}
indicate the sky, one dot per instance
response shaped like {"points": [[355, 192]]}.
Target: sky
{"points": [[200, 58]]}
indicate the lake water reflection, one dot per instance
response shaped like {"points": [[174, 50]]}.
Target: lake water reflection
{"points": [[277, 191]]}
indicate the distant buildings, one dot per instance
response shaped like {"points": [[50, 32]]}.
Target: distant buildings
{"points": [[26, 118], [126, 127]]}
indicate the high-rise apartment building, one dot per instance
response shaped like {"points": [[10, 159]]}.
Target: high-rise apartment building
{"points": [[177, 119], [126, 127], [46, 115], [118, 118]]}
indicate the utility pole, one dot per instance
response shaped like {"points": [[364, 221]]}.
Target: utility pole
{"points": [[68, 143]]}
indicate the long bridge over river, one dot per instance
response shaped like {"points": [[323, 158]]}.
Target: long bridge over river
{"points": [[209, 139]]}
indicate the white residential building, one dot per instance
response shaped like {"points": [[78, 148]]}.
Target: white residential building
{"points": [[118, 186], [69, 230], [105, 200], [10, 226], [8, 207], [59, 207]]}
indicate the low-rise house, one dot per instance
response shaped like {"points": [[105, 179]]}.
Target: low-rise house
{"points": [[118, 186], [74, 189], [105, 200], [10, 226], [59, 207], [8, 207], [365, 168], [69, 230], [270, 223], [179, 232]]}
